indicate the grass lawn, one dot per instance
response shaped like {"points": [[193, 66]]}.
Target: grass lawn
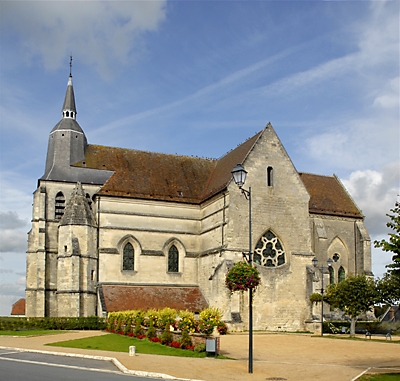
{"points": [[120, 343], [380, 377], [32, 332]]}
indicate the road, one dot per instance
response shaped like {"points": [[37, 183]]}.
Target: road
{"points": [[22, 366]]}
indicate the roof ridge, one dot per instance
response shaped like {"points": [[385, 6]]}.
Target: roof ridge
{"points": [[315, 174], [154, 152]]}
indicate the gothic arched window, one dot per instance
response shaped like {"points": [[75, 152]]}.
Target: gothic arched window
{"points": [[128, 259], [60, 205], [173, 259], [341, 274], [269, 251]]}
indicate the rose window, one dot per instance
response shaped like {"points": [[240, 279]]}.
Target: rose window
{"points": [[269, 251]]}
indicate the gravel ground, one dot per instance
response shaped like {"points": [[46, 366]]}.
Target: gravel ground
{"points": [[292, 357]]}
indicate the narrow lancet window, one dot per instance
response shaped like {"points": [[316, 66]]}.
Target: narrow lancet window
{"points": [[270, 179], [128, 261], [173, 259], [341, 274], [331, 275]]}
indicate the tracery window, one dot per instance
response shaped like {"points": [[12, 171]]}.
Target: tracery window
{"points": [[341, 274], [60, 205], [269, 251], [128, 258], [173, 259]]}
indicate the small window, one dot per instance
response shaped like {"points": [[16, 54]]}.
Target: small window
{"points": [[270, 179], [173, 259], [59, 206], [67, 114], [128, 260], [92, 275], [341, 274], [336, 257]]}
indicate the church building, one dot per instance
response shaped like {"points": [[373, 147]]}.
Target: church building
{"points": [[116, 229]]}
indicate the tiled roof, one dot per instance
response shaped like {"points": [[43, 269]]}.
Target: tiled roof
{"points": [[158, 176], [18, 308], [187, 179], [123, 297], [328, 196], [150, 175], [221, 175]]}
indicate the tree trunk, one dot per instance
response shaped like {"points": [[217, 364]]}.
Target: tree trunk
{"points": [[353, 327]]}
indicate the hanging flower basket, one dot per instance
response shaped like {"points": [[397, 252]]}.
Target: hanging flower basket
{"points": [[242, 277], [316, 298]]}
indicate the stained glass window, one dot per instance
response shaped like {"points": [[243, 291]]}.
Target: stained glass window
{"points": [[173, 259], [269, 251], [128, 260]]}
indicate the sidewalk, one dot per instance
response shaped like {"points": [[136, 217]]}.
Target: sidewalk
{"points": [[288, 357]]}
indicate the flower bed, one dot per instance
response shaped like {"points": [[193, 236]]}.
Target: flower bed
{"points": [[168, 326]]}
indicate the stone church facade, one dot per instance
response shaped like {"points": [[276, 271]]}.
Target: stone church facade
{"points": [[116, 229]]}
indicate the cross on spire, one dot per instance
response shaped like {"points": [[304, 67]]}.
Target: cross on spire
{"points": [[70, 66]]}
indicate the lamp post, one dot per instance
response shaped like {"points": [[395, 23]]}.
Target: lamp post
{"points": [[322, 269], [239, 176]]}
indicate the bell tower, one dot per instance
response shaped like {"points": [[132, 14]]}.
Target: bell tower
{"points": [[67, 141]]}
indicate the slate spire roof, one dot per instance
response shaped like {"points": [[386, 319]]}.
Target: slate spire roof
{"points": [[69, 100], [77, 210]]}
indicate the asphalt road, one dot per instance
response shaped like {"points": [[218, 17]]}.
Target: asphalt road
{"points": [[22, 366]]}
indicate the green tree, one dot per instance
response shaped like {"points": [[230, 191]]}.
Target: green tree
{"points": [[393, 245], [353, 296], [389, 288]]}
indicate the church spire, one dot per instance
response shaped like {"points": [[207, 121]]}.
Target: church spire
{"points": [[69, 108]]}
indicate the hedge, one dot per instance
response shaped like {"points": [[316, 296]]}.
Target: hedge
{"points": [[56, 323]]}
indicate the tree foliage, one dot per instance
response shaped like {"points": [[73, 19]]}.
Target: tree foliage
{"points": [[389, 288], [393, 244], [353, 296]]}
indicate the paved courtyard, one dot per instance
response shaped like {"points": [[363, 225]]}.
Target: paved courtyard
{"points": [[291, 357]]}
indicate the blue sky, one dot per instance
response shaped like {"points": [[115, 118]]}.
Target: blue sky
{"points": [[198, 78]]}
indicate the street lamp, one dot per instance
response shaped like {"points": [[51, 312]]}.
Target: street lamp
{"points": [[239, 176], [322, 269]]}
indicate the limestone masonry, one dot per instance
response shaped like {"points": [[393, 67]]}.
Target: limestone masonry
{"points": [[116, 229]]}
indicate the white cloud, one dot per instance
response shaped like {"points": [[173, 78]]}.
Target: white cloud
{"points": [[10, 220], [9, 294], [390, 96], [103, 34], [376, 192], [13, 241]]}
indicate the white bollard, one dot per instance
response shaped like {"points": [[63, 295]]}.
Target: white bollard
{"points": [[132, 350]]}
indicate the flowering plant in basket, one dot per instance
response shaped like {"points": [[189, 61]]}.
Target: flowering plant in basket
{"points": [[242, 277]]}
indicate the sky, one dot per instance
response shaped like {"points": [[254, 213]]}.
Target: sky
{"points": [[198, 78]]}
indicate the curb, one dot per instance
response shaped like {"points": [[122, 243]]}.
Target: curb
{"points": [[120, 366]]}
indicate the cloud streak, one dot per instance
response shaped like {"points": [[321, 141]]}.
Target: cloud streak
{"points": [[103, 34]]}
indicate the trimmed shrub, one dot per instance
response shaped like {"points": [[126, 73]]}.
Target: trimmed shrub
{"points": [[166, 336], [138, 328], [151, 331], [186, 341]]}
